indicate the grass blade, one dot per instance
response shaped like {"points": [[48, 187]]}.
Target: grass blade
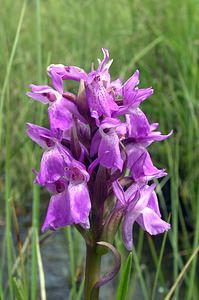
{"points": [[139, 252], [140, 55], [194, 264], [142, 281], [19, 294], [9, 66], [155, 258], [35, 225], [2, 261], [124, 279], [36, 190], [41, 273], [9, 244], [182, 273], [81, 289], [159, 265], [71, 259]]}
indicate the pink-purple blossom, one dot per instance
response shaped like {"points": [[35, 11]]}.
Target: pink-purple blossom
{"points": [[96, 148], [141, 206]]}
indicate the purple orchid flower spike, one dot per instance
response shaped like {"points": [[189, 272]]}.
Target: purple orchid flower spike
{"points": [[141, 207], [95, 152]]}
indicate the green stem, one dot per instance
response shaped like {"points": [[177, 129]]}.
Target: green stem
{"points": [[92, 273]]}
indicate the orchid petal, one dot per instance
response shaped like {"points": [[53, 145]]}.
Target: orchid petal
{"points": [[110, 123], [42, 136], [127, 233], [109, 151], [56, 187], [58, 214], [38, 97], [139, 125], [51, 167], [153, 137], [57, 81], [133, 212], [103, 65], [95, 143], [99, 100], [44, 94], [131, 83], [151, 222], [140, 164], [60, 116], [68, 72], [80, 204], [153, 204], [132, 193], [119, 193]]}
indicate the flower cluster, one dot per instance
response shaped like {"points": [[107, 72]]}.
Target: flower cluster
{"points": [[95, 161]]}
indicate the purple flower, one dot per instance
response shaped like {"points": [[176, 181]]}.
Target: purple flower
{"points": [[65, 177], [153, 136], [98, 90], [107, 143], [53, 159], [43, 137], [61, 105], [71, 202], [67, 72], [140, 131], [139, 126], [103, 130], [141, 206], [44, 94], [132, 95], [61, 114], [51, 166], [140, 164], [100, 101]]}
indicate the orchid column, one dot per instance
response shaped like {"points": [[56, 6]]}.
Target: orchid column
{"points": [[94, 137]]}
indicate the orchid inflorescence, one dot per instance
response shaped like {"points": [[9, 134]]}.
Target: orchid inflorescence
{"points": [[95, 161]]}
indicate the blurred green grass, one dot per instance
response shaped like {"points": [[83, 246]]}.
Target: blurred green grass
{"points": [[161, 39]]}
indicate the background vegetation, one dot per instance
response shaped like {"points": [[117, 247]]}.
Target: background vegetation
{"points": [[161, 39]]}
